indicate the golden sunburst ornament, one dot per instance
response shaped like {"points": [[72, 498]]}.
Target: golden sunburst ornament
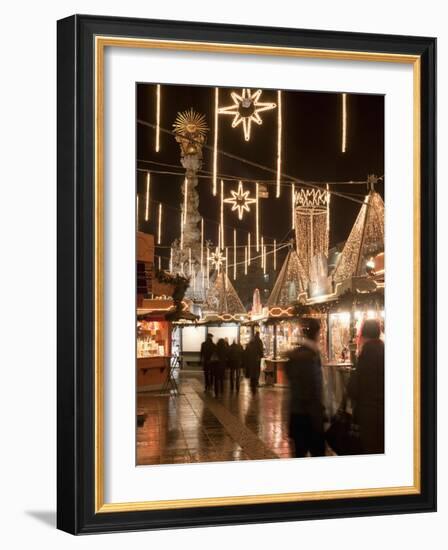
{"points": [[240, 200], [190, 123], [245, 110]]}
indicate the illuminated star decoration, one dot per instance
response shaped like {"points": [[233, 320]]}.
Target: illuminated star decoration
{"points": [[246, 109], [217, 258], [240, 200]]}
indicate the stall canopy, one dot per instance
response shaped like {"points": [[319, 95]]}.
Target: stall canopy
{"points": [[222, 298], [365, 241], [290, 282]]}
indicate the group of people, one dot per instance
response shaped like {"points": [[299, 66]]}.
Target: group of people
{"points": [[217, 358], [365, 390], [304, 373]]}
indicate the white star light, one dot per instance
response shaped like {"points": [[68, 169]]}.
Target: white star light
{"points": [[245, 109], [217, 258], [240, 200]]}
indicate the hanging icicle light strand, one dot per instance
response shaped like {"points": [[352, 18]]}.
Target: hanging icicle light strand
{"points": [[279, 141], [185, 200], [208, 269], [275, 254], [257, 216], [159, 229], [344, 123], [222, 214], [234, 254], [158, 93], [181, 230], [262, 253], [148, 183], [215, 143], [245, 260], [248, 248], [202, 246]]}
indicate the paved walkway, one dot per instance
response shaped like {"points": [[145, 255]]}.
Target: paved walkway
{"points": [[194, 426]]}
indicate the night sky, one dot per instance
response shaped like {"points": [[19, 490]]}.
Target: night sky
{"points": [[311, 151]]}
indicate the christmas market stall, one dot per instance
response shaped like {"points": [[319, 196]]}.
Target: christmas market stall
{"points": [[280, 330], [160, 305]]}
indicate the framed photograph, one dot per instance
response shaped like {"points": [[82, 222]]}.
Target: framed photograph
{"points": [[246, 274]]}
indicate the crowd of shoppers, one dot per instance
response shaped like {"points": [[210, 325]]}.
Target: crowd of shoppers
{"points": [[217, 359], [307, 419]]}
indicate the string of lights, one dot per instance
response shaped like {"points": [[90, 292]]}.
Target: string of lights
{"points": [[207, 174], [292, 179]]}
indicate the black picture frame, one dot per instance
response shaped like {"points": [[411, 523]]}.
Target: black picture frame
{"points": [[76, 272]]}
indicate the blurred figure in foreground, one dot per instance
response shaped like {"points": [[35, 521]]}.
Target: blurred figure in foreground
{"points": [[208, 349], [366, 389], [222, 350], [253, 356], [235, 363], [304, 372]]}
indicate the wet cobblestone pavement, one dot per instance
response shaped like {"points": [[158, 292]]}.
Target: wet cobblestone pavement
{"points": [[194, 426]]}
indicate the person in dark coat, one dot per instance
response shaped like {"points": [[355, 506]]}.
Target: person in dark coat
{"points": [[222, 351], [235, 363], [304, 373], [208, 349], [366, 389], [253, 356]]}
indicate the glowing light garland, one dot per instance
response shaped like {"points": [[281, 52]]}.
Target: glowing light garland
{"points": [[279, 141], [234, 254], [239, 200], [181, 230], [222, 214], [159, 228], [215, 143], [158, 93], [248, 248], [344, 123], [245, 260], [148, 183], [275, 254], [202, 246], [245, 109], [185, 200], [262, 253], [257, 216], [208, 270]]}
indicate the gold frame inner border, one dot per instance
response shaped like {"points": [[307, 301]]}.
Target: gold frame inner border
{"points": [[101, 42]]}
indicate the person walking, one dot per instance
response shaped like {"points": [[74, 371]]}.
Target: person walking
{"points": [[304, 373], [366, 388], [235, 363], [254, 355], [220, 366], [208, 350]]}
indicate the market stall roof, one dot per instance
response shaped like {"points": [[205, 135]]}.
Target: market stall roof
{"points": [[222, 298], [366, 239], [290, 282]]}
